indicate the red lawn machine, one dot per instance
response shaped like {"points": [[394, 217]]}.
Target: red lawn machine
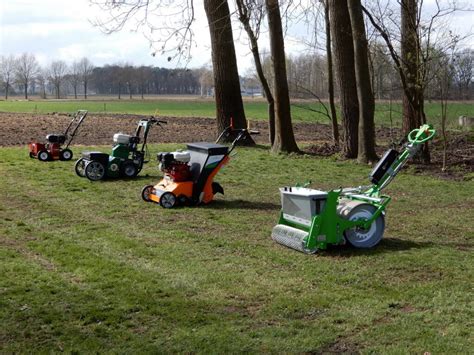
{"points": [[53, 149]]}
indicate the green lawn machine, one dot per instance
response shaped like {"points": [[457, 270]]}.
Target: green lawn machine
{"points": [[127, 157], [313, 219]]}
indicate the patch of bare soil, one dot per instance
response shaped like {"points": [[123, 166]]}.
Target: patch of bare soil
{"points": [[97, 129], [459, 153]]}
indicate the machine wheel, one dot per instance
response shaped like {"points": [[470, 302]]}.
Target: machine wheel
{"points": [[168, 200], [65, 154], [146, 192], [129, 170], [80, 167], [43, 155], [365, 238], [94, 171], [32, 156], [183, 200]]}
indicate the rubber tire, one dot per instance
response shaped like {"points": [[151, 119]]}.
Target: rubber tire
{"points": [[94, 170], [80, 170], [65, 155], [43, 155], [32, 156], [146, 193], [358, 238], [129, 170], [169, 200]]}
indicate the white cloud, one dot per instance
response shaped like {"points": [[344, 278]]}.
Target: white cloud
{"points": [[60, 29]]}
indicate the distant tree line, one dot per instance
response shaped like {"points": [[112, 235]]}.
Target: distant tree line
{"points": [[307, 78], [23, 76]]}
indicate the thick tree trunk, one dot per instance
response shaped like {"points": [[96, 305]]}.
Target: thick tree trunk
{"points": [[229, 103], [410, 63], [332, 105], [343, 49], [364, 91], [245, 20], [85, 89], [26, 90], [413, 98], [284, 136]]}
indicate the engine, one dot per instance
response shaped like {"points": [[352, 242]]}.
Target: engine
{"points": [[175, 165]]}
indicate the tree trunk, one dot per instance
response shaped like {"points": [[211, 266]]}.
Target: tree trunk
{"points": [[244, 18], [413, 98], [85, 89], [364, 91], [229, 103], [26, 90], [343, 49], [410, 63], [284, 136], [75, 92], [332, 106], [7, 86]]}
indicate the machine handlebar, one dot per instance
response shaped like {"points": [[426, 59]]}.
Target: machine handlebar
{"points": [[422, 134]]}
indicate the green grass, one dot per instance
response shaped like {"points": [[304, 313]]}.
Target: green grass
{"points": [[90, 267], [196, 107]]}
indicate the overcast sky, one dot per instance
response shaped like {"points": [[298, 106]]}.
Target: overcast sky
{"points": [[62, 29]]}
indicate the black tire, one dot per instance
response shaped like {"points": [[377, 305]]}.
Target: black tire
{"points": [[129, 170], [146, 191], [168, 200], [94, 170], [80, 167], [43, 155], [183, 200], [32, 156], [65, 155]]}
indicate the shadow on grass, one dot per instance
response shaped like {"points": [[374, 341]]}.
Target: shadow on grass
{"points": [[242, 204], [153, 179], [388, 245]]}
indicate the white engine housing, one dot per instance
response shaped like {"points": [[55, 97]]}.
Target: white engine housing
{"points": [[183, 157], [121, 138]]}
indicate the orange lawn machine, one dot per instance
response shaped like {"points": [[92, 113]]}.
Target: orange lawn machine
{"points": [[53, 149], [189, 175]]}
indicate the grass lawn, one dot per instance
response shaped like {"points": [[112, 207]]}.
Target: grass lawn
{"points": [[90, 267], [197, 107]]}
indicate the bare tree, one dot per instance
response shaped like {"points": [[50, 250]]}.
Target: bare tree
{"points": [[7, 70], [417, 35], [26, 69], [166, 24], [343, 49], [143, 75], [206, 82], [56, 73], [463, 63], [284, 136], [366, 152], [85, 69], [251, 11], [42, 81], [75, 76], [332, 106]]}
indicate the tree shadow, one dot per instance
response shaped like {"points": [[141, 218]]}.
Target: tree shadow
{"points": [[387, 245], [242, 204]]}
